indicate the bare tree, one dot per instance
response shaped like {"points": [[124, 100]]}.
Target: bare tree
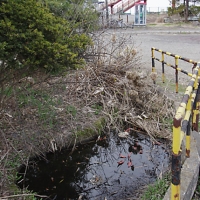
{"points": [[173, 3], [186, 6]]}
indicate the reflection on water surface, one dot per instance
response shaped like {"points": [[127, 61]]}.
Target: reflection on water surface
{"points": [[111, 168]]}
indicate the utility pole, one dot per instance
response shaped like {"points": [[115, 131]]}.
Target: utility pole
{"points": [[107, 15]]}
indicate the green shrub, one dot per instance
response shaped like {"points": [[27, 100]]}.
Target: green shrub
{"points": [[30, 35]]}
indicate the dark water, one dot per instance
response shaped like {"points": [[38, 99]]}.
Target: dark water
{"points": [[92, 170]]}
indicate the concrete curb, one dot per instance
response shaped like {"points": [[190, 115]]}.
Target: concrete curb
{"points": [[162, 31], [189, 171], [159, 30]]}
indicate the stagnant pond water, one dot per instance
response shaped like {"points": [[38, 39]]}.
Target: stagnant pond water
{"points": [[111, 168]]}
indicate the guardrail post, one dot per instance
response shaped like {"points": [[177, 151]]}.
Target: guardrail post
{"points": [[176, 72], [176, 173], [163, 68], [187, 128], [176, 157], [188, 138], [195, 113], [153, 62], [198, 100], [198, 107]]}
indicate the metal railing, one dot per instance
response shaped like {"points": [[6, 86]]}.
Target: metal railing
{"points": [[110, 3], [125, 5], [119, 5], [176, 57], [117, 23], [187, 112], [186, 117]]}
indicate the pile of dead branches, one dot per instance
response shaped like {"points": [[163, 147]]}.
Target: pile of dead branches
{"points": [[113, 79], [42, 113]]}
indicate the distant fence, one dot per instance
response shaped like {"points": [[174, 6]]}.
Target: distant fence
{"points": [[186, 117], [129, 19], [157, 9]]}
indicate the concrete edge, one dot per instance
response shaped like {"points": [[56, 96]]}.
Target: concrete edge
{"points": [[189, 171]]}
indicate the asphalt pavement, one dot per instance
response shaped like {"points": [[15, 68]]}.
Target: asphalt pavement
{"points": [[180, 40]]}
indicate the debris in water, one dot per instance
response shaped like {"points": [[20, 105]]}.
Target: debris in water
{"points": [[98, 138], [136, 142], [120, 162], [61, 181], [139, 147], [122, 156], [128, 130], [130, 163], [94, 168], [156, 143], [80, 197], [77, 169], [129, 155], [115, 192], [123, 134], [134, 147]]}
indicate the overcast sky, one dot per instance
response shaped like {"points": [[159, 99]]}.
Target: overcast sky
{"points": [[158, 3]]}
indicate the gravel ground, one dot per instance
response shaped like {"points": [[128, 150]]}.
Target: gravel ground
{"points": [[181, 40]]}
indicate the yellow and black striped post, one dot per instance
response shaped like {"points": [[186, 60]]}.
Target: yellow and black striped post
{"points": [[153, 62], [176, 173], [188, 138], [163, 68], [176, 158], [198, 107], [176, 71], [195, 114], [185, 128], [180, 127], [198, 99]]}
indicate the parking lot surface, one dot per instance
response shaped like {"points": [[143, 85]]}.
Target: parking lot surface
{"points": [[182, 41]]}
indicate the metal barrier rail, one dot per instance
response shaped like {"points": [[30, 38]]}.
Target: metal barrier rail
{"points": [[177, 57], [187, 112], [186, 117]]}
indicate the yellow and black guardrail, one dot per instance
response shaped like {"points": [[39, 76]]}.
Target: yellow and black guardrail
{"points": [[187, 112], [186, 117], [177, 57]]}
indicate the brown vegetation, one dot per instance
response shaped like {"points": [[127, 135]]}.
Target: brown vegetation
{"points": [[46, 113]]}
